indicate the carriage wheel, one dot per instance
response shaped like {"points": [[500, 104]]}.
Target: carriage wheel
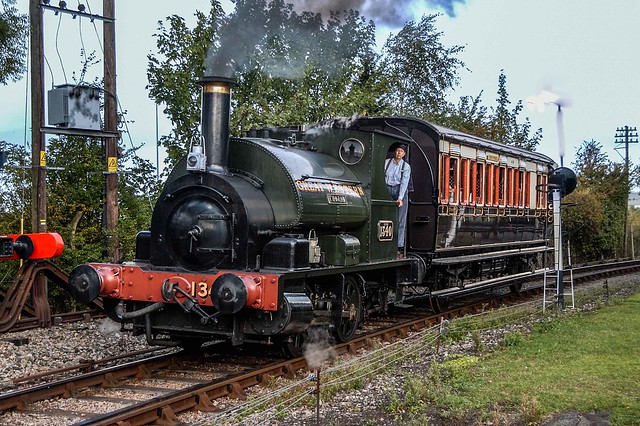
{"points": [[346, 326], [515, 288], [439, 304]]}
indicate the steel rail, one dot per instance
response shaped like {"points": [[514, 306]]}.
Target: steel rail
{"points": [[163, 409]]}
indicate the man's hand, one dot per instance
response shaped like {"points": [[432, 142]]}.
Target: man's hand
{"points": [[399, 202]]}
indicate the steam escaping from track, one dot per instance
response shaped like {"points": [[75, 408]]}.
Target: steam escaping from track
{"points": [[318, 349], [108, 326]]}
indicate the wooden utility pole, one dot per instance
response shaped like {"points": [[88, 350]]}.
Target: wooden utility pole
{"points": [[111, 125], [626, 135], [38, 152], [38, 143]]}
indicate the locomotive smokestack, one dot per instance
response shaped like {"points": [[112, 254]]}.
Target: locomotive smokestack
{"points": [[216, 105]]}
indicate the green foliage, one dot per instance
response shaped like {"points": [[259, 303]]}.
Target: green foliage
{"points": [[420, 70], [305, 70], [75, 192], [440, 386], [504, 125], [596, 226], [295, 68], [513, 339], [499, 124], [577, 363], [14, 33], [584, 224], [290, 68], [469, 116], [75, 186], [15, 191], [476, 338], [173, 73]]}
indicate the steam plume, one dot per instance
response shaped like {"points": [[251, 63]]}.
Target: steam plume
{"points": [[240, 37], [392, 13]]}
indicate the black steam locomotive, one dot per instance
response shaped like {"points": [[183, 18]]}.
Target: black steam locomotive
{"points": [[262, 238]]}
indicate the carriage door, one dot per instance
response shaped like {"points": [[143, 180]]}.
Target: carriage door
{"points": [[422, 216]]}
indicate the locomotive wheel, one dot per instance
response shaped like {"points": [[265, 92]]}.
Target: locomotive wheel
{"points": [[352, 300], [293, 347]]}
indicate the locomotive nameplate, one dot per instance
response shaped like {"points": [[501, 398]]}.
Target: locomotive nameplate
{"points": [[385, 230], [336, 199]]}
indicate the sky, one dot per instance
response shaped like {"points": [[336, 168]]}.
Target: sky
{"points": [[585, 51]]}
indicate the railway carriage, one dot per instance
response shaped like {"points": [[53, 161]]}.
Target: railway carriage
{"points": [[266, 237]]}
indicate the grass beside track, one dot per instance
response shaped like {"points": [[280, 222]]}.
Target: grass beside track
{"points": [[585, 362]]}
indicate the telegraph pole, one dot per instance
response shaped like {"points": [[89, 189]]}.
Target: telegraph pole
{"points": [[626, 135], [38, 143], [38, 148], [111, 125]]}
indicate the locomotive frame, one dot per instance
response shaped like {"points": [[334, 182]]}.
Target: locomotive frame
{"points": [[264, 239]]}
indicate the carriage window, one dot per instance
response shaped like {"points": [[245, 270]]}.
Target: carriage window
{"points": [[479, 183], [519, 188], [527, 190], [510, 188], [465, 187], [444, 179], [453, 181], [489, 188], [501, 177], [541, 190]]}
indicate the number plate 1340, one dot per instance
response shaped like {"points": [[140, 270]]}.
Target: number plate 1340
{"points": [[385, 230]]}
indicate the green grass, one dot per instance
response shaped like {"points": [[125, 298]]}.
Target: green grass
{"points": [[584, 362]]}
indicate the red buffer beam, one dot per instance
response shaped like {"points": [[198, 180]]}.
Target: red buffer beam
{"points": [[44, 245]]}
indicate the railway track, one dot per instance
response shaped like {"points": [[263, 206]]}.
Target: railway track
{"points": [[25, 304], [167, 385]]}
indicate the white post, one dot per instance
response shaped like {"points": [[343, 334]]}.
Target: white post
{"points": [[557, 243]]}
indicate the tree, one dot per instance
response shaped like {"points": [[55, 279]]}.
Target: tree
{"points": [[420, 71], [173, 73], [504, 125], [75, 185], [601, 193], [583, 225], [499, 124], [469, 116], [307, 71], [290, 68], [76, 198], [14, 32]]}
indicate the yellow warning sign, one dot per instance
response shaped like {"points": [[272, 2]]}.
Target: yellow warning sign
{"points": [[112, 165], [43, 159]]}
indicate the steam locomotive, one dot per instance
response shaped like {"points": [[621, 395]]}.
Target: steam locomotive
{"points": [[266, 237]]}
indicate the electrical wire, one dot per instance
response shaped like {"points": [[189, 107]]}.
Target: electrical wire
{"points": [[50, 70], [117, 98], [26, 127], [57, 50], [83, 52]]}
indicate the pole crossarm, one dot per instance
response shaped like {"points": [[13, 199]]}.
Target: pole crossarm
{"points": [[75, 13]]}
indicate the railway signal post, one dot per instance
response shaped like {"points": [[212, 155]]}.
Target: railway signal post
{"points": [[557, 244], [561, 182]]}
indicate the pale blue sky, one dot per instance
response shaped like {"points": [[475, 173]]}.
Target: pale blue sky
{"points": [[584, 50]]}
